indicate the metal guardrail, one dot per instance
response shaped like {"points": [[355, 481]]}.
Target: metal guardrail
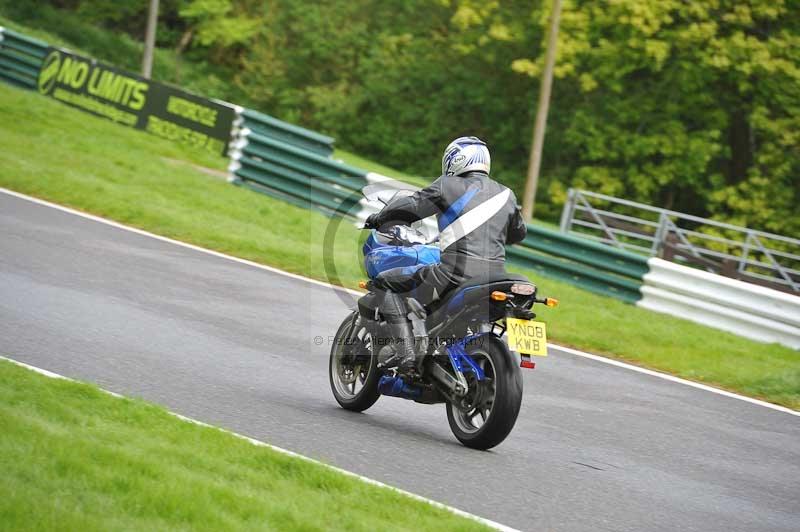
{"points": [[733, 251], [20, 58], [271, 127], [291, 171], [587, 264]]}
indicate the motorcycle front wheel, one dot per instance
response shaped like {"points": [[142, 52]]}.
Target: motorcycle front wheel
{"points": [[352, 367], [492, 405]]}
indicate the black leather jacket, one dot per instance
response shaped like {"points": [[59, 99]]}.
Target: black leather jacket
{"points": [[482, 249]]}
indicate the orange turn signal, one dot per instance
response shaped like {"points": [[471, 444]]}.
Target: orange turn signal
{"points": [[499, 296], [551, 302], [362, 284]]}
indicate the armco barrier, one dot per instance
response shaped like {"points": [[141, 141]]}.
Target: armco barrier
{"points": [[581, 262], [742, 308], [20, 58], [288, 133], [293, 173]]}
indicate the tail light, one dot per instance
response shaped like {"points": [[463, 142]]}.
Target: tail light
{"points": [[523, 289]]}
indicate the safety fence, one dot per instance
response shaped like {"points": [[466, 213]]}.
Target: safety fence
{"points": [[581, 262], [733, 251], [293, 164], [21, 58], [273, 128]]}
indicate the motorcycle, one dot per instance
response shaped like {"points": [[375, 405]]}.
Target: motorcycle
{"points": [[466, 361]]}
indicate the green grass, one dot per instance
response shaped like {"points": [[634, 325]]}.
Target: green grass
{"points": [[75, 458], [75, 159]]}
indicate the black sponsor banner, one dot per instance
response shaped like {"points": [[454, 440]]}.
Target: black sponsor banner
{"points": [[134, 101]]}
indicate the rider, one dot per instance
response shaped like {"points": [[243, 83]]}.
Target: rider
{"points": [[477, 217]]}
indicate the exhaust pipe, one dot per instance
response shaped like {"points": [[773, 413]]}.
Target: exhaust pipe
{"points": [[396, 387]]}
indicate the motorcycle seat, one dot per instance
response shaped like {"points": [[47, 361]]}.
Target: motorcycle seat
{"points": [[469, 291], [452, 300]]}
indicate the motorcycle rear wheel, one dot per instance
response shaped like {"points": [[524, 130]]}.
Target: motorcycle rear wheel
{"points": [[490, 420], [353, 367]]}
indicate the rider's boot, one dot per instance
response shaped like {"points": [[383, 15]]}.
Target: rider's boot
{"points": [[417, 317], [394, 310], [404, 343]]}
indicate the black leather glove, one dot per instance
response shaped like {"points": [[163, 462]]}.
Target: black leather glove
{"points": [[371, 221]]}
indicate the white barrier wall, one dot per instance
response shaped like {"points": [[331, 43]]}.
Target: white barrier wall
{"points": [[742, 308]]}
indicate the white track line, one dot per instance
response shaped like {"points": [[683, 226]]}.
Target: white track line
{"points": [[456, 511], [357, 293], [672, 378]]}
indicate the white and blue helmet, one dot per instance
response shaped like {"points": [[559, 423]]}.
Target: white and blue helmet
{"points": [[466, 154]]}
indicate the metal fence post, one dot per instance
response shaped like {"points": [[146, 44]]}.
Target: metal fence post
{"points": [[658, 238], [567, 212], [745, 252]]}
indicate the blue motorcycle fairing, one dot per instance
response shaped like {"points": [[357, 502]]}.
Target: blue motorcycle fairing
{"points": [[380, 256]]}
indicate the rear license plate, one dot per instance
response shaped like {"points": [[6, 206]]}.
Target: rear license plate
{"points": [[527, 336]]}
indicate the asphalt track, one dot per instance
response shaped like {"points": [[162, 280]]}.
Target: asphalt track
{"points": [[597, 447]]}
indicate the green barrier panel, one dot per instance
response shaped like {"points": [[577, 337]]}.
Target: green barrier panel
{"points": [[21, 38], [309, 163], [12, 42], [586, 252], [23, 59], [295, 135], [23, 70], [272, 172], [296, 189], [275, 181], [590, 265], [291, 173], [578, 274], [20, 58], [297, 175]]}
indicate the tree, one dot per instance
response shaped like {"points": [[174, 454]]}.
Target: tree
{"points": [[692, 106]]}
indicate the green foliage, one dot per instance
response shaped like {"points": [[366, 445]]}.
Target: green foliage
{"points": [[693, 106], [216, 24]]}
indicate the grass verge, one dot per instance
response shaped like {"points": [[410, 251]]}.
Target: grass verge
{"points": [[75, 458], [58, 153]]}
